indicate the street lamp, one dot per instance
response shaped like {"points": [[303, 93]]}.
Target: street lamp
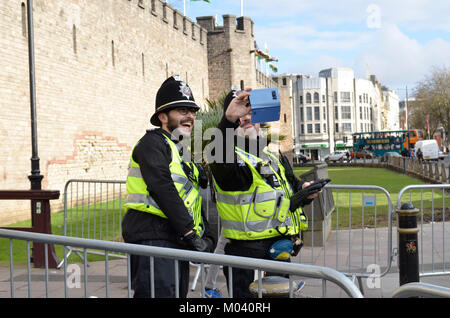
{"points": [[35, 177]]}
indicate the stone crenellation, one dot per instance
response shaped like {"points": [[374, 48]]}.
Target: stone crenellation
{"points": [[98, 66]]}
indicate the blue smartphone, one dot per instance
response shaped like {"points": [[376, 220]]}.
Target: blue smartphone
{"points": [[265, 104]]}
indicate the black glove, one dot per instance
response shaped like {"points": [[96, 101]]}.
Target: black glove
{"points": [[202, 176], [296, 247], [197, 243], [300, 198]]}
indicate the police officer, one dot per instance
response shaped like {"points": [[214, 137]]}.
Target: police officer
{"points": [[258, 197], [163, 204]]}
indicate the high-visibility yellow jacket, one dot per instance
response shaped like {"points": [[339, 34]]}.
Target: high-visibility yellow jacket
{"points": [[139, 199], [262, 211]]}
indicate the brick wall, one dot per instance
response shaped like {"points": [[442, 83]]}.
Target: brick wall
{"points": [[99, 64]]}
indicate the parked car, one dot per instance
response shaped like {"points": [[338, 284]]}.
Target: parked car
{"points": [[335, 156], [364, 154], [386, 155], [302, 158]]}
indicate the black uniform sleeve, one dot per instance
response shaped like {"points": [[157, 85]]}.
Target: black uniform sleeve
{"points": [[228, 173], [296, 184], [153, 155]]}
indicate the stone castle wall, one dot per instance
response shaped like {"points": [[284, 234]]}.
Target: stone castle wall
{"points": [[99, 64]]}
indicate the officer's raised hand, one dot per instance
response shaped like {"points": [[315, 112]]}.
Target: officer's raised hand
{"points": [[239, 106]]}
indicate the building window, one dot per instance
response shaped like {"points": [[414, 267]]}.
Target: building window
{"points": [[324, 113], [308, 113], [24, 20], [347, 127], [362, 127], [360, 111], [316, 98], [308, 98], [310, 129], [360, 98], [284, 81], [371, 114], [323, 99], [345, 97], [302, 129], [336, 127], [301, 99], [317, 128], [335, 97], [113, 58], [302, 117], [285, 120], [316, 113], [336, 112], [143, 64], [324, 128], [346, 112], [74, 38]]}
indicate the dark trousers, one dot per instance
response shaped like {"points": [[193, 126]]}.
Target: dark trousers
{"points": [[164, 274], [242, 278]]}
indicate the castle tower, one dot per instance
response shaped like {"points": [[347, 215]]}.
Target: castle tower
{"points": [[231, 61]]}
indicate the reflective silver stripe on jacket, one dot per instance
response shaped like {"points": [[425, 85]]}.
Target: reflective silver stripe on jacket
{"points": [[246, 198], [254, 226], [136, 172], [141, 198], [148, 200]]}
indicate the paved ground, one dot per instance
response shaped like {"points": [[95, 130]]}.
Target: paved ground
{"points": [[349, 257]]}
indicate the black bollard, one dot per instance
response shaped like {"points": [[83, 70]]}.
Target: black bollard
{"points": [[407, 243]]}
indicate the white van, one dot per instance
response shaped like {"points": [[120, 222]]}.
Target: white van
{"points": [[429, 149]]}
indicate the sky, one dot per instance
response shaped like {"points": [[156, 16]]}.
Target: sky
{"points": [[400, 41]]}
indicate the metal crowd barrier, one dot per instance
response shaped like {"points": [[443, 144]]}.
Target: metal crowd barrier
{"points": [[50, 286], [430, 199], [93, 209], [421, 290], [345, 245], [87, 202], [347, 248]]}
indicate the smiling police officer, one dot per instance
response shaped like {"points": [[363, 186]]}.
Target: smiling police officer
{"points": [[163, 205]]}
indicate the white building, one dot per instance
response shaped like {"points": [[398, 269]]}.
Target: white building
{"points": [[391, 111], [328, 109]]}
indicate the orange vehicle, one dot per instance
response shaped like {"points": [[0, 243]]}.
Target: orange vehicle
{"points": [[413, 136]]}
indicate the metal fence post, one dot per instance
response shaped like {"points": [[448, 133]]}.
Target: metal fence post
{"points": [[407, 243]]}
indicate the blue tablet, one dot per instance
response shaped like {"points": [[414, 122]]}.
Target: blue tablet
{"points": [[265, 104]]}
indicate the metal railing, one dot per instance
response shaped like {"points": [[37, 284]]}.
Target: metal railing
{"points": [[309, 271], [93, 209], [421, 290], [356, 239], [431, 201], [351, 239]]}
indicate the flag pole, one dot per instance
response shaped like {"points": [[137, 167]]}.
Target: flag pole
{"points": [[242, 8], [184, 7]]}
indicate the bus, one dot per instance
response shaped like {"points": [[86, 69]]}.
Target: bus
{"points": [[414, 135], [380, 142]]}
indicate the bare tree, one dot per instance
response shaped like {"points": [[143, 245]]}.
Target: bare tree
{"points": [[432, 100]]}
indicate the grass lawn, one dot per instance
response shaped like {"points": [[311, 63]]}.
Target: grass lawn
{"points": [[349, 207], [100, 221]]}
